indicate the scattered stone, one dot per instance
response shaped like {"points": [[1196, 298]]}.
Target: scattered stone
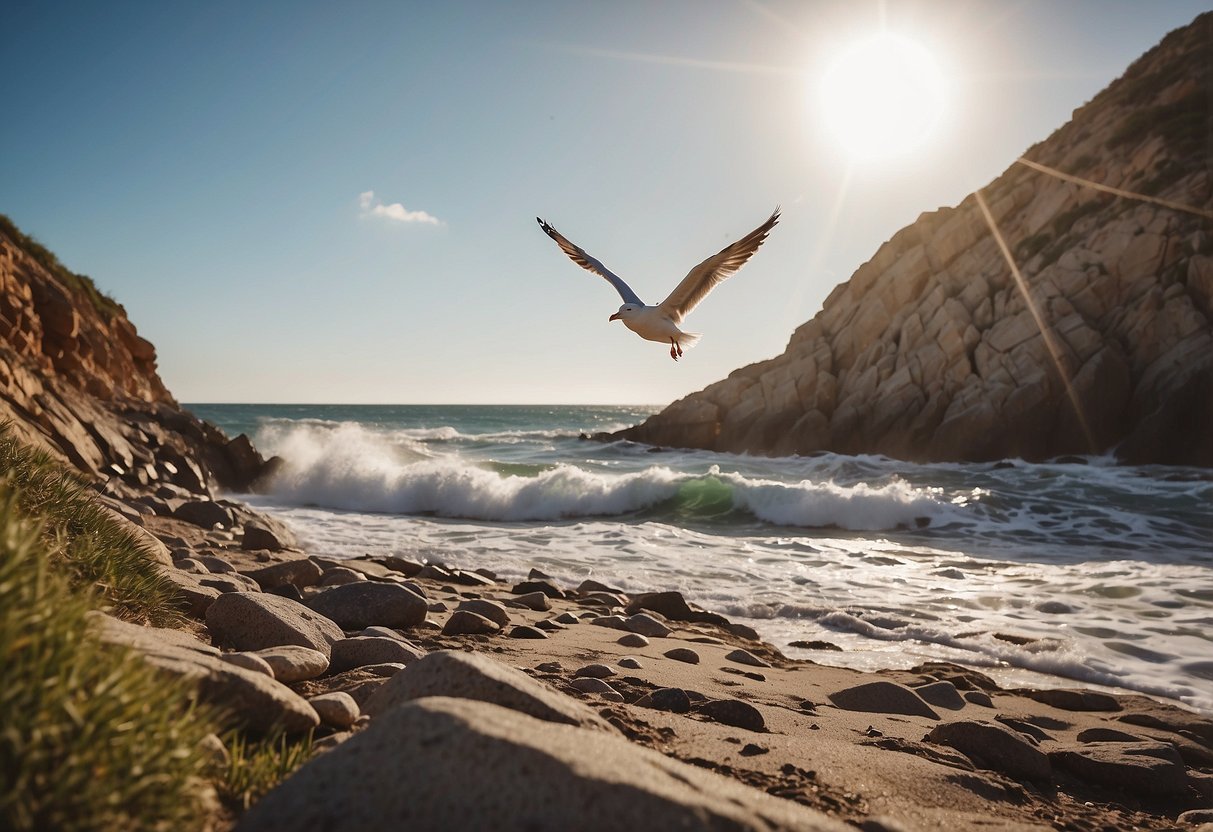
{"points": [[674, 607], [491, 610], [257, 536], [1106, 735], [299, 572], [537, 601], [705, 640], [745, 657], [631, 663], [735, 713], [433, 572], [673, 700], [595, 671], [527, 631], [1149, 769], [254, 621], [358, 651], [615, 622], [337, 709], [646, 625], [942, 695], [229, 583], [815, 645], [474, 676], [743, 630], [568, 618], [882, 697], [549, 624], [465, 623], [464, 578], [204, 513], [438, 606], [355, 606], [340, 576], [191, 565], [287, 591], [217, 566], [683, 654], [406, 567], [291, 663], [249, 661], [537, 585], [386, 632], [749, 674], [590, 585], [549, 667], [633, 640], [753, 750], [190, 593], [587, 684], [994, 747], [979, 697], [464, 774], [1074, 700]]}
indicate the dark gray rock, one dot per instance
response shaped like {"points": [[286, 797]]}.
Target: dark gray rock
{"points": [[527, 631], [204, 513], [1074, 700], [646, 625], [257, 536], [365, 604], [673, 700], [254, 621], [734, 712], [360, 651], [996, 748], [491, 610], [537, 601], [538, 585], [466, 623], [298, 572]]}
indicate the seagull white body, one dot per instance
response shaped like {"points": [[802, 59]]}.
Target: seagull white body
{"points": [[661, 322]]}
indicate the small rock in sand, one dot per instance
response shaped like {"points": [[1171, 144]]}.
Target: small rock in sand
{"points": [[365, 604], [673, 700], [340, 576], [587, 684], [746, 657], [615, 622], [941, 694], [462, 623], [595, 671], [683, 654], [631, 663], [537, 601], [590, 585], [882, 697], [550, 625], [527, 631], [568, 618], [538, 585], [734, 712], [978, 697], [647, 625], [994, 747], [549, 667], [292, 663], [249, 661], [360, 651], [634, 640], [489, 609], [337, 709]]}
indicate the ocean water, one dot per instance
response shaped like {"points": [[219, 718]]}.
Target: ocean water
{"points": [[1052, 574]]}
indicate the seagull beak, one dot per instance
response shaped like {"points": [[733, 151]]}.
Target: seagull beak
{"points": [[614, 317]]}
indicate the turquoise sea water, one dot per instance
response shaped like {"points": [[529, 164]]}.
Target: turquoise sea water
{"points": [[1043, 574]]}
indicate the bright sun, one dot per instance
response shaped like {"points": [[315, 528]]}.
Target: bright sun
{"points": [[883, 97]]}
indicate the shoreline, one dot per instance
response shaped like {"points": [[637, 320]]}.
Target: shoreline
{"points": [[817, 735]]}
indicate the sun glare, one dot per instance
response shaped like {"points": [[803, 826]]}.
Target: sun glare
{"points": [[883, 97]]}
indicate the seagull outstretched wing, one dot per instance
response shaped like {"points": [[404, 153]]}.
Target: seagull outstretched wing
{"points": [[578, 256], [704, 277]]}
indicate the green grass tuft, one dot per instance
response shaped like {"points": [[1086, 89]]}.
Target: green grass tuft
{"points": [[255, 767]]}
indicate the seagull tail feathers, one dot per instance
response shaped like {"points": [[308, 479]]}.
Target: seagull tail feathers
{"points": [[689, 339]]}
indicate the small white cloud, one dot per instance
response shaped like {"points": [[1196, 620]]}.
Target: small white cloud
{"points": [[396, 212]]}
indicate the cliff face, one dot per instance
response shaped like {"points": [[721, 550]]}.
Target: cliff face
{"points": [[933, 351], [78, 380]]}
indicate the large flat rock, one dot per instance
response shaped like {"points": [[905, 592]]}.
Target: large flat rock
{"points": [[472, 765], [254, 621]]}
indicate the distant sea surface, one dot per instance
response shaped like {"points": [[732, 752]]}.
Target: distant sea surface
{"points": [[1068, 573]]}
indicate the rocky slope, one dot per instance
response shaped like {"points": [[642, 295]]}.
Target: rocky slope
{"points": [[932, 351], [79, 381]]}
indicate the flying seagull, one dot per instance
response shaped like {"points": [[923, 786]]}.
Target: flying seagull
{"points": [[660, 323]]}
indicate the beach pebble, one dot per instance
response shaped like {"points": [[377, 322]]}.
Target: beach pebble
{"points": [[705, 640], [610, 599], [359, 651], [631, 663], [549, 624], [298, 572], [433, 572], [745, 657], [1075, 700], [229, 583], [567, 618], [489, 609], [454, 673], [249, 661], [994, 747], [252, 621], [217, 566], [1149, 769], [615, 622], [204, 513], [192, 565], [590, 585], [537, 585], [291, 663], [337, 709], [815, 645], [463, 622], [646, 625], [978, 697], [753, 750], [527, 631], [341, 575], [257, 536], [942, 695], [438, 606], [735, 713], [882, 697], [537, 575], [364, 604], [587, 684], [673, 700], [743, 630], [384, 632], [633, 640], [549, 667], [1107, 735], [595, 671], [383, 670], [683, 654], [534, 601]]}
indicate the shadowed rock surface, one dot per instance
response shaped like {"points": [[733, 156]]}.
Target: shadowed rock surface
{"points": [[931, 351]]}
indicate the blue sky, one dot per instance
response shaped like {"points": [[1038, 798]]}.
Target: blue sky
{"points": [[206, 164]]}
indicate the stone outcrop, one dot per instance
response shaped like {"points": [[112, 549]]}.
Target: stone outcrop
{"points": [[77, 379], [933, 350]]}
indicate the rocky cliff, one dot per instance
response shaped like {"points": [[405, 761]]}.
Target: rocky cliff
{"points": [[933, 350], [79, 381]]}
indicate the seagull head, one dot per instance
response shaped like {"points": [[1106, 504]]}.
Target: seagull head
{"points": [[626, 311]]}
